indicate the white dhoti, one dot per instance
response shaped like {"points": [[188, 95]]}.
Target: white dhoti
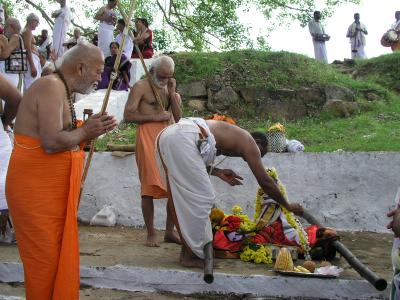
{"points": [[189, 183], [358, 52], [11, 78], [60, 29], [5, 153], [105, 37], [28, 79], [320, 51]]}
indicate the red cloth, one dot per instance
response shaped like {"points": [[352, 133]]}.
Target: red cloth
{"points": [[146, 49], [312, 234], [221, 242], [274, 234]]}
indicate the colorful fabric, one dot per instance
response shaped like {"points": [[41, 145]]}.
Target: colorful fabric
{"points": [[119, 83], [149, 175], [42, 192], [147, 48]]}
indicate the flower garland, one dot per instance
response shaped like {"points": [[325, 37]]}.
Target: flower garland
{"points": [[260, 254], [304, 244]]}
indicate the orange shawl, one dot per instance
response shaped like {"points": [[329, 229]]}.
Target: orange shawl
{"points": [[149, 175], [42, 193]]}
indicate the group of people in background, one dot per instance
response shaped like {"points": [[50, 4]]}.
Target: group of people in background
{"points": [[43, 51], [356, 34]]}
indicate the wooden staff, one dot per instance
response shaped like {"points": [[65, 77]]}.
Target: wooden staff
{"points": [[149, 77], [113, 76], [379, 283]]}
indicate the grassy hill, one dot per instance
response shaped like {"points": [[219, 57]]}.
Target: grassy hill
{"points": [[376, 127]]}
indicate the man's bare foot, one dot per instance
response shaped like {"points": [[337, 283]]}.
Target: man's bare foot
{"points": [[152, 241], [172, 237], [189, 261], [192, 262]]}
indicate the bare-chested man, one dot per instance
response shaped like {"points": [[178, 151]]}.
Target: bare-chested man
{"points": [[108, 19], [10, 41], [34, 68], [45, 170], [187, 151], [142, 108]]}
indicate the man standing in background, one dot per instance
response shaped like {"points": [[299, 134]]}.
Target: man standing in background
{"points": [[63, 18], [319, 37], [108, 19], [356, 33]]}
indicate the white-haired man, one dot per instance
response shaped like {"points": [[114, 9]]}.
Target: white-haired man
{"points": [[34, 67], [45, 171], [143, 109], [10, 41]]}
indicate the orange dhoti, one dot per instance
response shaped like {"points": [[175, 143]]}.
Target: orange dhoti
{"points": [[42, 193], [149, 174]]}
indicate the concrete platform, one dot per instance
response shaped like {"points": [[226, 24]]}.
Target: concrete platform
{"points": [[116, 259]]}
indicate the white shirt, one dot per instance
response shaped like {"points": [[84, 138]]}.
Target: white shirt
{"points": [[315, 28], [128, 44]]}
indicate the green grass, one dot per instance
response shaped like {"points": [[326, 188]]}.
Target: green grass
{"points": [[383, 70], [124, 134], [271, 70], [375, 128]]}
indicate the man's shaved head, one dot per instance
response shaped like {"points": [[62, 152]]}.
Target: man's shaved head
{"points": [[84, 64], [82, 52]]}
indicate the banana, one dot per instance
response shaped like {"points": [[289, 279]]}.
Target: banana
{"points": [[302, 269]]}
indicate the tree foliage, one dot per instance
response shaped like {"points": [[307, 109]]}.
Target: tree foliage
{"points": [[193, 24]]}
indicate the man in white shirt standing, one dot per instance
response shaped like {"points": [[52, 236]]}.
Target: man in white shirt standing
{"points": [[62, 21], [128, 41], [356, 33], [319, 37]]}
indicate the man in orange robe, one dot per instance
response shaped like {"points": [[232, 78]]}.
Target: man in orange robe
{"points": [[152, 117], [45, 171]]}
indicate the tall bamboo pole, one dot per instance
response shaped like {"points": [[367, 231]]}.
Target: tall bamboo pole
{"points": [[113, 76]]}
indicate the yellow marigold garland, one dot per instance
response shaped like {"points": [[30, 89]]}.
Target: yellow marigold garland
{"points": [[289, 215], [262, 255]]}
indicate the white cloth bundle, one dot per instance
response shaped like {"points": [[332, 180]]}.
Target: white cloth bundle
{"points": [[294, 146]]}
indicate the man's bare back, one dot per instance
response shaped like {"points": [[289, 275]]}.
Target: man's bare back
{"points": [[234, 141], [47, 96]]}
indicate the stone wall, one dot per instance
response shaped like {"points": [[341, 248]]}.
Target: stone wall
{"points": [[350, 191]]}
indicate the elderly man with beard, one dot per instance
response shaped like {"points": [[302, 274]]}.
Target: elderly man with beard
{"points": [[45, 170], [143, 109]]}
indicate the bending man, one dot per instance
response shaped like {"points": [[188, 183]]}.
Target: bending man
{"points": [[187, 151], [45, 171], [143, 109]]}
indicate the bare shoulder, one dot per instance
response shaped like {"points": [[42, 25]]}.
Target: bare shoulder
{"points": [[47, 89], [142, 84]]}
